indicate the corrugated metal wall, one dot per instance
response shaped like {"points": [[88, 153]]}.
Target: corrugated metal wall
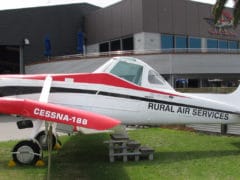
{"points": [[233, 129], [156, 16], [215, 128]]}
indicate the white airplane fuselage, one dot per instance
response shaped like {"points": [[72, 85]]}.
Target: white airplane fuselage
{"points": [[132, 104]]}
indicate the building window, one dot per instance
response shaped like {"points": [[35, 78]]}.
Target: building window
{"points": [[222, 44], [193, 83], [194, 43], [181, 42], [115, 45], [232, 45], [167, 41], [127, 44], [104, 47], [212, 43]]}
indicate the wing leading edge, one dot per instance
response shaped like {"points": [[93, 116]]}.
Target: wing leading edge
{"points": [[56, 113]]}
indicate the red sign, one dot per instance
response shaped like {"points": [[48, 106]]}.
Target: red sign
{"points": [[224, 25]]}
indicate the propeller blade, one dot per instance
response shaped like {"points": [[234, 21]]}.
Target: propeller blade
{"points": [[56, 113]]}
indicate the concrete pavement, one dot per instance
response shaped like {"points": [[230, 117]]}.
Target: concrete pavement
{"points": [[10, 131]]}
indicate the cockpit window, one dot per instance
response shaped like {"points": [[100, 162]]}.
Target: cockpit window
{"points": [[128, 71], [155, 78]]}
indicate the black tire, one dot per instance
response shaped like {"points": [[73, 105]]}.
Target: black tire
{"points": [[42, 140], [27, 152]]}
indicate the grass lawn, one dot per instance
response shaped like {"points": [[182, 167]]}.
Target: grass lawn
{"points": [[178, 155]]}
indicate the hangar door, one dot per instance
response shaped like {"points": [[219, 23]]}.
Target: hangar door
{"points": [[9, 59]]}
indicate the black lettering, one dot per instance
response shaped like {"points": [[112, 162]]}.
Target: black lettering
{"points": [[187, 110], [210, 114], [162, 107], [226, 117], [150, 105], [199, 112], [179, 110], [194, 113], [204, 113], [221, 115], [156, 107], [216, 115], [169, 108]]}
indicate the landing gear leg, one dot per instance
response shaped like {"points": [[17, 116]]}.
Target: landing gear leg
{"points": [[42, 138]]}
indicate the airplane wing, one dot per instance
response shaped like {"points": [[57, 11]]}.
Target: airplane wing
{"points": [[56, 113]]}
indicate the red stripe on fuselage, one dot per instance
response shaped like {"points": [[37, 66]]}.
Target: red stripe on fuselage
{"points": [[92, 78]]}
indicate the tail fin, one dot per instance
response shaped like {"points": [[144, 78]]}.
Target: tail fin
{"points": [[234, 97], [236, 92]]}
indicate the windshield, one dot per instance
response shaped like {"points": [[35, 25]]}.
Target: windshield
{"points": [[128, 71], [155, 78]]}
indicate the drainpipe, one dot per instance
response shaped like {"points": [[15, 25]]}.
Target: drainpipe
{"points": [[24, 43]]}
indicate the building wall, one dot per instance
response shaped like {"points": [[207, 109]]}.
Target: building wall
{"points": [[119, 20], [179, 17], [60, 23], [146, 41], [131, 17]]}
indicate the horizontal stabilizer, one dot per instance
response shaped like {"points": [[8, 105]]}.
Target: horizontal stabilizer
{"points": [[56, 113]]}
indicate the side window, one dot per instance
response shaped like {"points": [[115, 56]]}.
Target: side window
{"points": [[154, 78], [128, 71]]}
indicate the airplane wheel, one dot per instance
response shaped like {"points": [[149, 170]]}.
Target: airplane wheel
{"points": [[43, 141], [27, 152]]}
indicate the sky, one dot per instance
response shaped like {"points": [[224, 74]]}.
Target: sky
{"points": [[15, 4]]}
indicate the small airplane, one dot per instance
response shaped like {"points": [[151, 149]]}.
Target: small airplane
{"points": [[123, 90]]}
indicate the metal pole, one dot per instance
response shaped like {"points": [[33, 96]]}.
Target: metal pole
{"points": [[49, 152], [21, 63], [171, 71]]}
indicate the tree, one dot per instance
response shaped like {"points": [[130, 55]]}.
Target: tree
{"points": [[219, 7]]}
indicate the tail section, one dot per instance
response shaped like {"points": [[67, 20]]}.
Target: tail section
{"points": [[234, 97]]}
